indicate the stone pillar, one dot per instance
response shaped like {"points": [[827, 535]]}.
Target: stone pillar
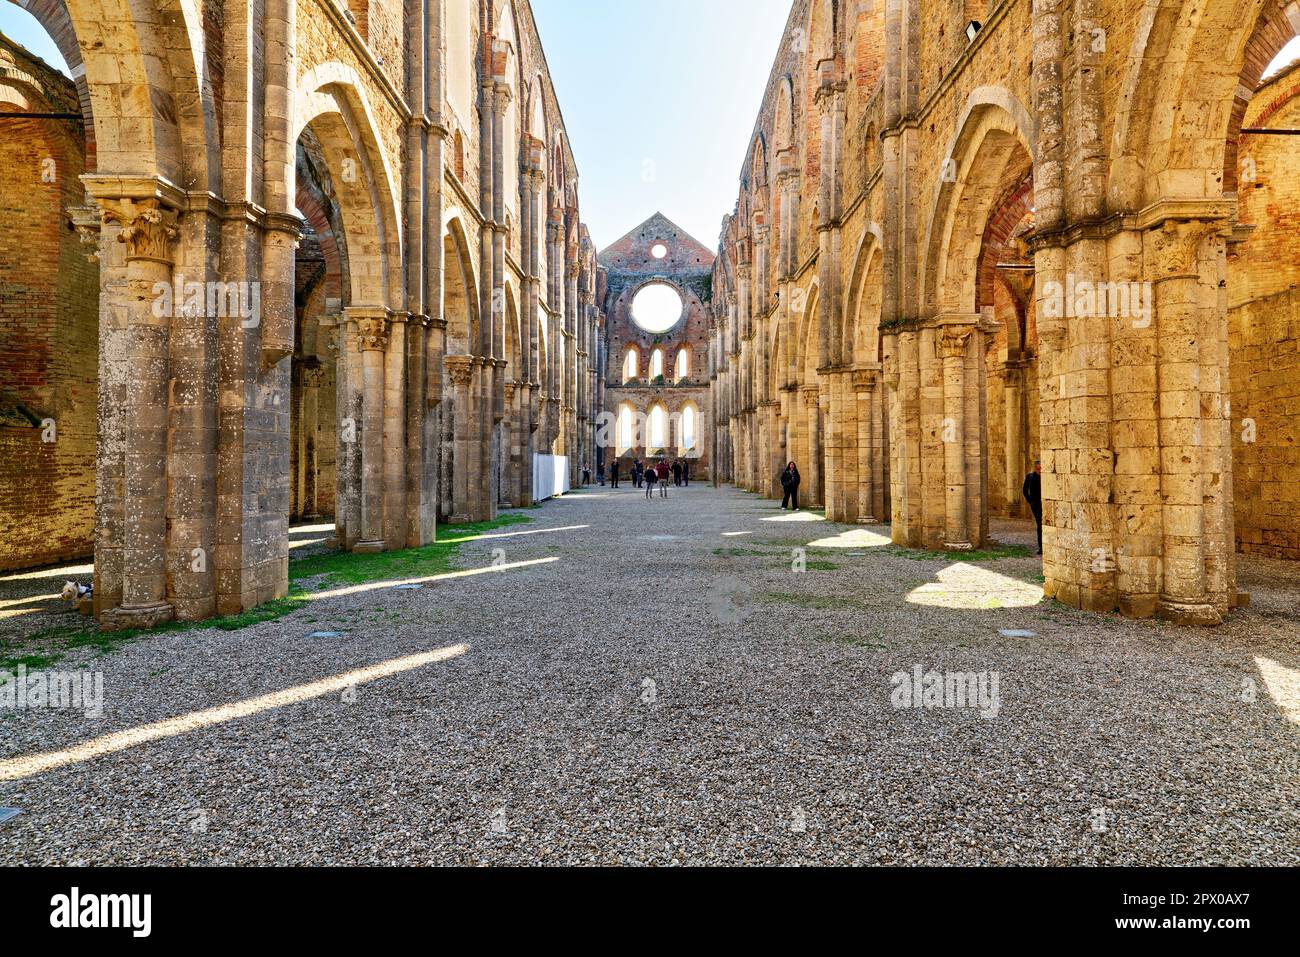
{"points": [[1013, 398], [372, 326], [308, 426], [461, 370], [953, 342], [148, 229], [864, 394], [813, 478]]}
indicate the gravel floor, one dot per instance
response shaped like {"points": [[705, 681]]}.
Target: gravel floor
{"points": [[654, 682]]}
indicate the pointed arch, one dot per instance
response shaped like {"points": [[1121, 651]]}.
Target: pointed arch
{"points": [[460, 295], [332, 102]]}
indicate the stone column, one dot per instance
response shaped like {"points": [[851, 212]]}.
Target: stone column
{"points": [[461, 370], [864, 393], [148, 228], [1013, 397], [953, 340], [812, 484], [308, 426], [372, 327]]}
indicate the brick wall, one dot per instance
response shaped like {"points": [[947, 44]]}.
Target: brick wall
{"points": [[48, 347]]}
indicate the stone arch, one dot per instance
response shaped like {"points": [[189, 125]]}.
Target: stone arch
{"points": [[990, 149], [332, 103], [1192, 67], [460, 296], [866, 287]]}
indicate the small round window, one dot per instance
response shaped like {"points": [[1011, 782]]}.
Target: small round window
{"points": [[657, 307], [659, 250]]}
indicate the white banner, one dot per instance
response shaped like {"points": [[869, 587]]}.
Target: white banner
{"points": [[550, 476]]}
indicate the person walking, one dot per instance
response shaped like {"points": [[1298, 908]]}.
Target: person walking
{"points": [[613, 474], [677, 472], [586, 474], [649, 477], [663, 479], [1033, 493], [790, 485], [686, 471], [600, 473]]}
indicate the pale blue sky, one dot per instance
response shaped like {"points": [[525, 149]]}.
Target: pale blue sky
{"points": [[659, 100], [21, 27]]}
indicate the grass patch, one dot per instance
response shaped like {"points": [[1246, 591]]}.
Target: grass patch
{"points": [[979, 555], [44, 648], [743, 553], [821, 566]]}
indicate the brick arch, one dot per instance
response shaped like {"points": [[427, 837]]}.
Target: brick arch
{"points": [[1272, 32], [997, 243]]}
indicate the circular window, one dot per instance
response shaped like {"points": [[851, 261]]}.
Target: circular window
{"points": [[659, 250], [657, 307]]}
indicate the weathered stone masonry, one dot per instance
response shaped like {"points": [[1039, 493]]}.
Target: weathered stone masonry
{"points": [[1058, 241], [384, 295]]}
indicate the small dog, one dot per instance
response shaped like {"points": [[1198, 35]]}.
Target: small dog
{"points": [[75, 591]]}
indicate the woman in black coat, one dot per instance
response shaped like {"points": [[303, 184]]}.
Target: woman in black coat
{"points": [[790, 485]]}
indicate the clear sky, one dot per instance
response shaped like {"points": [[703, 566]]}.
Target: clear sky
{"points": [[659, 100], [21, 27]]}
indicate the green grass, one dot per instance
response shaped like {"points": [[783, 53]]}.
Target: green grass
{"points": [[820, 566], [44, 648], [979, 555]]}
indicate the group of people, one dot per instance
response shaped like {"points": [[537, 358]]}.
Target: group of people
{"points": [[650, 477]]}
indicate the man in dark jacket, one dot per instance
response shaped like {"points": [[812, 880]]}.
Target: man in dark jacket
{"points": [[1033, 492], [686, 471], [790, 485], [613, 474], [677, 472]]}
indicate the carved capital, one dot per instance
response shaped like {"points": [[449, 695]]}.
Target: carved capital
{"points": [[460, 369], [148, 228], [1174, 246], [372, 333], [864, 380], [952, 341]]}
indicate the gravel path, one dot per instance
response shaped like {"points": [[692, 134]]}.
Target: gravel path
{"points": [[654, 682]]}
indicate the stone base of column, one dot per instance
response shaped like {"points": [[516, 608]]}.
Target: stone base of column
{"points": [[958, 546], [136, 616], [866, 520], [368, 548], [1188, 613]]}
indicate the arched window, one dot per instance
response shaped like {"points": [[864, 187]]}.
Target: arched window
{"points": [[626, 429], [658, 428], [656, 364], [630, 363], [683, 364], [690, 429]]}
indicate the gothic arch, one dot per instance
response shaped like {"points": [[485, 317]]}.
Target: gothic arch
{"points": [[990, 150], [332, 103]]}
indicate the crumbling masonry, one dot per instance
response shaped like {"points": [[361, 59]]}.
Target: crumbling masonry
{"points": [[973, 235], [334, 263]]}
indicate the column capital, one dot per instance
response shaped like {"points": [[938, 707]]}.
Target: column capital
{"points": [[372, 326], [148, 228], [460, 369]]}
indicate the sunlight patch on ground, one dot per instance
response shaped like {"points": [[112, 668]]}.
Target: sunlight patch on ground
{"points": [[735, 534], [13, 607], [64, 571], [797, 517], [853, 538], [1283, 686], [535, 531], [968, 586], [15, 769], [397, 582]]}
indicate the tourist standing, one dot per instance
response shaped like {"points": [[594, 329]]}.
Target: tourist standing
{"points": [[790, 485], [648, 477], [1033, 492], [686, 471], [677, 472], [613, 474], [663, 479]]}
